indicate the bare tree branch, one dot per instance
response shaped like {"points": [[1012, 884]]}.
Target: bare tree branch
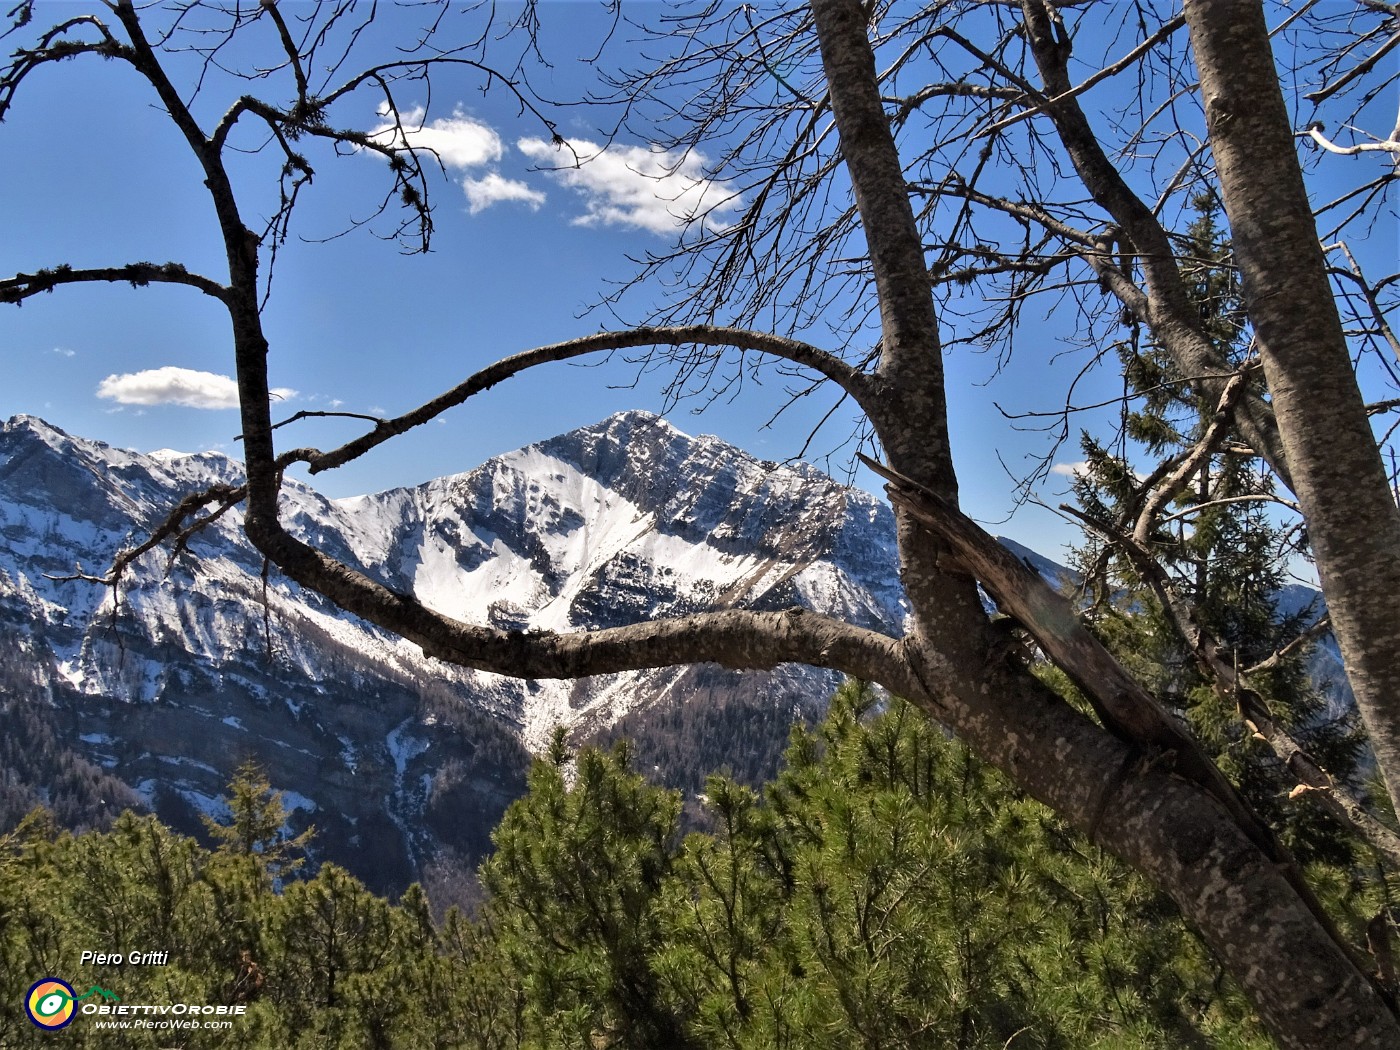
{"points": [[24, 285], [1387, 145], [820, 361], [1128, 61], [733, 638], [1172, 317], [53, 47], [1307, 637], [176, 526], [1370, 294], [1357, 71], [1166, 490], [1253, 497]]}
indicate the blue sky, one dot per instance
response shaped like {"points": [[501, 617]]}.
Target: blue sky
{"points": [[92, 173]]}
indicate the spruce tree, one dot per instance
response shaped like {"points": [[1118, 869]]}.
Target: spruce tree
{"points": [[1224, 548], [256, 826]]}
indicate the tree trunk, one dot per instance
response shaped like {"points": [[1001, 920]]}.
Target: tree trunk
{"points": [[1306, 988], [1336, 467]]}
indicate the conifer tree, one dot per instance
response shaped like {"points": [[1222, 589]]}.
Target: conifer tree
{"points": [[1219, 552], [576, 878], [256, 827]]}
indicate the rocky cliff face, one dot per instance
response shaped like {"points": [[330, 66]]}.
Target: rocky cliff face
{"points": [[197, 661]]}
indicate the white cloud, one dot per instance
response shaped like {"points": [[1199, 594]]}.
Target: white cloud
{"points": [[62, 351], [1071, 470], [462, 144], [644, 187], [176, 386], [484, 192], [458, 140]]}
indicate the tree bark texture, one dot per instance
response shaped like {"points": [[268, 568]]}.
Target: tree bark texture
{"points": [[1337, 472], [1103, 786]]}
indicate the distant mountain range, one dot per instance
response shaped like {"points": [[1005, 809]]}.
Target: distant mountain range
{"points": [[153, 694], [195, 663]]}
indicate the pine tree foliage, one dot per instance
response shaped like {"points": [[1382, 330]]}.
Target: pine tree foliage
{"points": [[575, 883], [890, 891], [886, 890], [1226, 551]]}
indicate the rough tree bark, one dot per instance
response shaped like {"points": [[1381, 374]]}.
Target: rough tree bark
{"points": [[1336, 468]]}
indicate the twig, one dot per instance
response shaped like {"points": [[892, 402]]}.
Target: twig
{"points": [[1316, 631], [1258, 497], [1218, 429]]}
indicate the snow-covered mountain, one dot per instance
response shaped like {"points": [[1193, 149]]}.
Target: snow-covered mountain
{"points": [[198, 661], [158, 690]]}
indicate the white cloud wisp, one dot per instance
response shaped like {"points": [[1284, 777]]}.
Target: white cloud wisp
{"points": [[494, 188], [459, 141], [643, 187], [170, 385]]}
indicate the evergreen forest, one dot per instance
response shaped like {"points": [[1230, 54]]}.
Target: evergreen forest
{"points": [[885, 890]]}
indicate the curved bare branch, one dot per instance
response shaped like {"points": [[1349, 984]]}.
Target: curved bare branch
{"points": [[1386, 145], [1165, 489], [820, 361], [24, 285], [54, 47], [734, 638]]}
